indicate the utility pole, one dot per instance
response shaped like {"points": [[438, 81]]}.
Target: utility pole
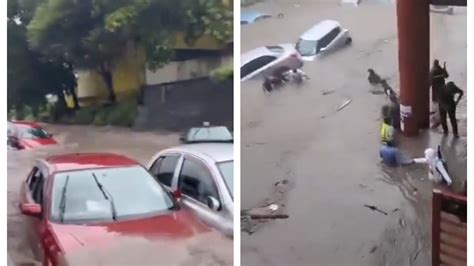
{"points": [[413, 24]]}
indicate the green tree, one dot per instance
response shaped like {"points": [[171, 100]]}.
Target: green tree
{"points": [[92, 34], [30, 77]]}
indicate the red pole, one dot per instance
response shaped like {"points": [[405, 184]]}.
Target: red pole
{"points": [[413, 64]]}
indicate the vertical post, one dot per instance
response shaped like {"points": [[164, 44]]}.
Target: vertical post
{"points": [[436, 227], [413, 64]]}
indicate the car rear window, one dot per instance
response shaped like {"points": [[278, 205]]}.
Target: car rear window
{"points": [[275, 48]]}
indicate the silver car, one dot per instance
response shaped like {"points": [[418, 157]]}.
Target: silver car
{"points": [[265, 59], [201, 176], [326, 36]]}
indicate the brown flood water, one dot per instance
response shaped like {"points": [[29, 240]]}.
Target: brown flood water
{"points": [[330, 158], [209, 249]]}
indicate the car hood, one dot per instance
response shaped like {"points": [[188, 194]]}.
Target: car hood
{"points": [[33, 143], [177, 225]]}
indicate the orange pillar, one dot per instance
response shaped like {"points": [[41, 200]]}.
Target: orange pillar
{"points": [[413, 63]]}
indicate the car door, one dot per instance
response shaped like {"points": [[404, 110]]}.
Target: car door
{"points": [[197, 183], [34, 188]]}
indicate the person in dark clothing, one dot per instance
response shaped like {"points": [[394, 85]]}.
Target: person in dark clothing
{"points": [[373, 78], [447, 106], [438, 75]]}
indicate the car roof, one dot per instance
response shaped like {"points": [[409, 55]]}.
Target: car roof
{"points": [[320, 29], [25, 124], [265, 50], [82, 161], [250, 16], [218, 152]]}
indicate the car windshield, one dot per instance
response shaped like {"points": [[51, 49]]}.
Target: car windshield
{"points": [[227, 171], [209, 134], [33, 133], [104, 194], [306, 47]]}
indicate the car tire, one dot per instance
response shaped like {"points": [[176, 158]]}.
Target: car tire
{"points": [[348, 41]]}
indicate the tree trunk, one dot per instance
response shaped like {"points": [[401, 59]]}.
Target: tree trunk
{"points": [[109, 84]]}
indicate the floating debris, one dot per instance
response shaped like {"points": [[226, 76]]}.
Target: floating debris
{"points": [[328, 92], [374, 208], [273, 207], [346, 103], [373, 249]]}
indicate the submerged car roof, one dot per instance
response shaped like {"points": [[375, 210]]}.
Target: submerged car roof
{"points": [[82, 161], [274, 50], [218, 152], [319, 30], [250, 16]]}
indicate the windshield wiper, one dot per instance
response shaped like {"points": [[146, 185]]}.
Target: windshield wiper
{"points": [[107, 196], [62, 203]]}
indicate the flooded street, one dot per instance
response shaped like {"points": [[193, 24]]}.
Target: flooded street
{"points": [[211, 249], [330, 158]]}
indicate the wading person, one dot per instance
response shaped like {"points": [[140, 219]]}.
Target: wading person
{"points": [[387, 131], [391, 156], [447, 106], [438, 76]]}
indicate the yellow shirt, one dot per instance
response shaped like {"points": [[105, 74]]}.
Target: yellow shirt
{"points": [[386, 133], [69, 101]]}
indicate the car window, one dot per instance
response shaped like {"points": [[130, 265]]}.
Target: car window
{"points": [[328, 38], [306, 47], [127, 191], [255, 64], [163, 169], [36, 182], [227, 172], [34, 175], [33, 133], [196, 181]]}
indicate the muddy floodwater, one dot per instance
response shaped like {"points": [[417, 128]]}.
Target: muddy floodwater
{"points": [[210, 249], [329, 158]]}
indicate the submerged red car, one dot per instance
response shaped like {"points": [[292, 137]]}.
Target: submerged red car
{"points": [[87, 201], [28, 135]]}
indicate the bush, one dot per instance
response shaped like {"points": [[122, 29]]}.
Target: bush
{"points": [[84, 116], [223, 73], [122, 114]]}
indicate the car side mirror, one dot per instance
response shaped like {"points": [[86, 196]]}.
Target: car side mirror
{"points": [[213, 203], [31, 209], [176, 194]]}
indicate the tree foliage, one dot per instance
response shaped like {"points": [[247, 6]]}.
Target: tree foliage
{"points": [[92, 34], [30, 76]]}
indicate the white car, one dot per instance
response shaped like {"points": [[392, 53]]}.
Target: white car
{"points": [[265, 59], [201, 175], [326, 36]]}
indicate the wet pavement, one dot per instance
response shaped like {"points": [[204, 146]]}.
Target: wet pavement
{"points": [[212, 249], [330, 158]]}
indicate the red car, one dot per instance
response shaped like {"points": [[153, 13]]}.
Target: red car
{"points": [[86, 201], [28, 135]]}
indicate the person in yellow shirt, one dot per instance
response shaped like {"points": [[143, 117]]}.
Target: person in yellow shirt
{"points": [[387, 132]]}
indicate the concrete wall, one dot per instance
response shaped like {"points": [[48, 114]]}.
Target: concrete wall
{"points": [[184, 70], [128, 75], [178, 106]]}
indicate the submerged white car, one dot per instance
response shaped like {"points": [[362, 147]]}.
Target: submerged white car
{"points": [[201, 174], [263, 60], [326, 36]]}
